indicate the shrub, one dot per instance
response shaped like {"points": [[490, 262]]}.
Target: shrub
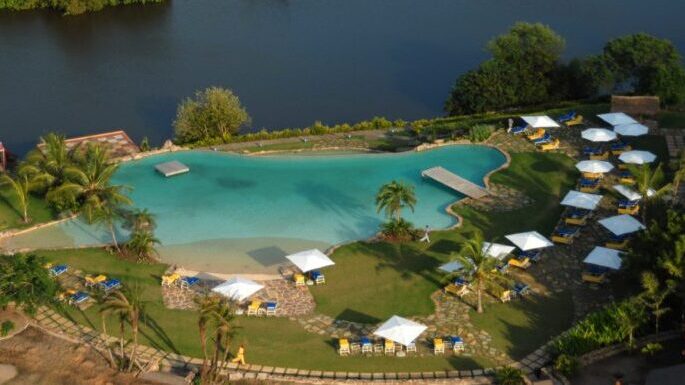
{"points": [[509, 376], [6, 327], [566, 365], [480, 132], [651, 348], [398, 230]]}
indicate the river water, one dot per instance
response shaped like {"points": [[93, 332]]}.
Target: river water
{"points": [[291, 61]]}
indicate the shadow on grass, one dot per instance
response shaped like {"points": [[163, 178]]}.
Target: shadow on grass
{"points": [[166, 342], [356, 316], [407, 260]]}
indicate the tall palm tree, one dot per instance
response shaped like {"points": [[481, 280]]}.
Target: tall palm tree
{"points": [[479, 266], [47, 165], [650, 184], [207, 306], [223, 317], [128, 307], [108, 216], [630, 315], [654, 295], [21, 188], [140, 220], [393, 197], [89, 182], [104, 314]]}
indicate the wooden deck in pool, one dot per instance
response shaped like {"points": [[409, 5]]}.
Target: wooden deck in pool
{"points": [[455, 182]]}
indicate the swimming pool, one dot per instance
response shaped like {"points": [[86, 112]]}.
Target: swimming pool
{"points": [[233, 212]]}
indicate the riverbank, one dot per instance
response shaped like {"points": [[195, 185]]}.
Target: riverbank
{"points": [[71, 7]]}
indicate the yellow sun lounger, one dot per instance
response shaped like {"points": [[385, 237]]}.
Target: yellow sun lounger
{"points": [[631, 210], [459, 291], [553, 145], [170, 279], [389, 347], [253, 307], [539, 133], [623, 245], [593, 175], [593, 278], [438, 346], [521, 264], [299, 280], [505, 296], [94, 281], [343, 347], [603, 156], [575, 121]]}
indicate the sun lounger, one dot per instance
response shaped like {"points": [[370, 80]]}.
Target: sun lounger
{"points": [[78, 298], [589, 150], [628, 207], [553, 145], [389, 347], [626, 178], [460, 281], [271, 308], [539, 133], [593, 278], [523, 263], [411, 348], [592, 175], [367, 346], [66, 295], [532, 255], [577, 120], [343, 347], [187, 282], [459, 291], [566, 117], [565, 235], [577, 217], [58, 270], [602, 156], [457, 344], [170, 279], [502, 267], [505, 296], [588, 185], [317, 277], [618, 148], [544, 139], [253, 307], [518, 130], [520, 289], [110, 284], [299, 280], [438, 346], [95, 280], [618, 242]]}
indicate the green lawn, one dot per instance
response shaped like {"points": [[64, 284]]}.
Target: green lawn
{"points": [[370, 282], [520, 327], [11, 216]]}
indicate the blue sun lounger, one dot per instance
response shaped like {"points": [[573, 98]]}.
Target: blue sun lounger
{"points": [[566, 117], [78, 298], [58, 270], [619, 146], [545, 139], [110, 285], [520, 288], [518, 130], [625, 203], [584, 182], [459, 281], [589, 150], [189, 281], [533, 255]]}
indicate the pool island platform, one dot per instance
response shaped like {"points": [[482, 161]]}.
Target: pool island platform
{"points": [[172, 168]]}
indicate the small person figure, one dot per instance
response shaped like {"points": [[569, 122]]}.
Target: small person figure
{"points": [[240, 357], [426, 235], [511, 124]]}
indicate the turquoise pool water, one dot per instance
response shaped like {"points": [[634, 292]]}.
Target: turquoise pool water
{"points": [[239, 212]]}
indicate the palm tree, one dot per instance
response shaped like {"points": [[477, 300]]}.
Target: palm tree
{"points": [[650, 184], [479, 266], [48, 164], [128, 307], [393, 197], [107, 216], [89, 182], [630, 315], [142, 244], [104, 314], [654, 295], [679, 177], [223, 316], [25, 281], [207, 306], [140, 220], [21, 188]]}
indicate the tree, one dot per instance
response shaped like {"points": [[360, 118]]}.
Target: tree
{"points": [[142, 244], [107, 215], [21, 188], [654, 295], [140, 220], [650, 65], [662, 244], [650, 184], [25, 281], [477, 264], [393, 197], [222, 318], [586, 77], [129, 306], [630, 315], [482, 90], [207, 306], [509, 376], [46, 165], [215, 113]]}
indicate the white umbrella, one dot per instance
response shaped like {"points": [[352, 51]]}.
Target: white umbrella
{"points": [[581, 200], [497, 250], [309, 260], [598, 135], [628, 192], [594, 166], [621, 224], [637, 157], [530, 240], [617, 118], [238, 288], [540, 121], [633, 129], [601, 256], [400, 330], [451, 267]]}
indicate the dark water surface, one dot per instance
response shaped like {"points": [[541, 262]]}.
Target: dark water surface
{"points": [[291, 62]]}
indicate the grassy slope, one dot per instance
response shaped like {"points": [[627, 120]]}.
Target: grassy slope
{"points": [[10, 216]]}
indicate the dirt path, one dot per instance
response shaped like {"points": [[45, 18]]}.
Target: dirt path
{"points": [[45, 360]]}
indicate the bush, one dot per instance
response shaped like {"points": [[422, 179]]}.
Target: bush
{"points": [[651, 348], [480, 132], [566, 365], [509, 376], [398, 230], [6, 327]]}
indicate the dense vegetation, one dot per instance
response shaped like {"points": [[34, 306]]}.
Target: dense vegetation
{"points": [[69, 7], [526, 69]]}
